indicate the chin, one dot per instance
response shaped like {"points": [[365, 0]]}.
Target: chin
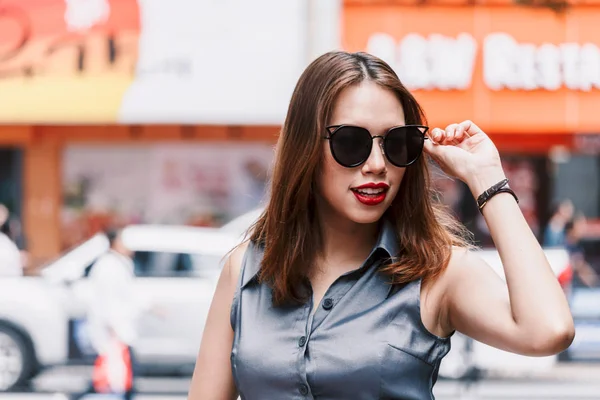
{"points": [[362, 216]]}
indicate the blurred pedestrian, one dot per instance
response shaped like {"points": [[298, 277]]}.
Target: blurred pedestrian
{"points": [[583, 275], [353, 279], [114, 309], [11, 262], [554, 234]]}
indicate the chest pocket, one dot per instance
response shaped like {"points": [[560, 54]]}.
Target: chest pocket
{"points": [[410, 360], [405, 375]]}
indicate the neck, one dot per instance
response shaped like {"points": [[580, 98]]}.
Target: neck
{"points": [[118, 251], [344, 244]]}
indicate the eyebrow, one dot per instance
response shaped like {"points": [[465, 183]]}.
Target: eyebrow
{"points": [[385, 130]]}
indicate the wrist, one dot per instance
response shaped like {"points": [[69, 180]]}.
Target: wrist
{"points": [[484, 179]]}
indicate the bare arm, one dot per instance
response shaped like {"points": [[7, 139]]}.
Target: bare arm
{"points": [[479, 304], [212, 379], [527, 315]]}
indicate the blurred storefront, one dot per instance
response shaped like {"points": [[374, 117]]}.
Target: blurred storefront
{"points": [[159, 112], [78, 179], [528, 74], [155, 112]]}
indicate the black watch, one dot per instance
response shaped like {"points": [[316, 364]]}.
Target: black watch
{"points": [[500, 187]]}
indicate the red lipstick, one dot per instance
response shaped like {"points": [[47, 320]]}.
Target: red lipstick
{"points": [[371, 194]]}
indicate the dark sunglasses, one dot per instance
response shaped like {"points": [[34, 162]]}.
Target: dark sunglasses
{"points": [[351, 145]]}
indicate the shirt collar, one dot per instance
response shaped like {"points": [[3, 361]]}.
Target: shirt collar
{"points": [[386, 241]]}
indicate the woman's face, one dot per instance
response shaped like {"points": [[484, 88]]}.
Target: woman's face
{"points": [[370, 106]]}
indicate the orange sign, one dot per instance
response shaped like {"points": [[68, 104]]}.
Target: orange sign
{"points": [[64, 59], [510, 69]]}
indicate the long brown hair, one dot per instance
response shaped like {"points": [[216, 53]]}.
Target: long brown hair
{"points": [[288, 228]]}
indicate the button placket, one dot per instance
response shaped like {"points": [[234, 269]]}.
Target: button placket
{"points": [[331, 297], [303, 389], [302, 341]]}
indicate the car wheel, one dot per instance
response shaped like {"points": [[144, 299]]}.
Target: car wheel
{"points": [[16, 359]]}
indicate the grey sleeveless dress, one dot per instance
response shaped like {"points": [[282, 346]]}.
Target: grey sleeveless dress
{"points": [[365, 340]]}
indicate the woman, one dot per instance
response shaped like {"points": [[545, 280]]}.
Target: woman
{"points": [[353, 280]]}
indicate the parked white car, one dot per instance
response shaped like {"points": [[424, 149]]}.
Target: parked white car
{"points": [[33, 329], [42, 319]]}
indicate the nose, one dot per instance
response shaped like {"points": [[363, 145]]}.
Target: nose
{"points": [[375, 164]]}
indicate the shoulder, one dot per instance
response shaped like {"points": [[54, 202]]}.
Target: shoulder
{"points": [[115, 259], [227, 287], [7, 243], [464, 264], [461, 261], [109, 264], [233, 264], [102, 262]]}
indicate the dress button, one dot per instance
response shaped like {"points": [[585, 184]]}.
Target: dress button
{"points": [[328, 304], [303, 390], [302, 341]]}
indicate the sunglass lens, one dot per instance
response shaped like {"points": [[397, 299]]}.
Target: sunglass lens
{"points": [[404, 145], [351, 146]]}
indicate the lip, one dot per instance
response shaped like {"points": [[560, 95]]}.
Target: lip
{"points": [[371, 200], [373, 185]]}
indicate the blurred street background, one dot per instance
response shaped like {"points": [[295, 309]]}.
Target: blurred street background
{"points": [[161, 117]]}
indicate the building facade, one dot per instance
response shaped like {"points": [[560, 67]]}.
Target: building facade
{"points": [[143, 112]]}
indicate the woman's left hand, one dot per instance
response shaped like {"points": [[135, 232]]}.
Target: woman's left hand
{"points": [[464, 151]]}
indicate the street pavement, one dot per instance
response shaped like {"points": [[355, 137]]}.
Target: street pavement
{"points": [[569, 381], [487, 390]]}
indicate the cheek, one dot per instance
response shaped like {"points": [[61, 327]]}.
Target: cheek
{"points": [[334, 179], [395, 175]]}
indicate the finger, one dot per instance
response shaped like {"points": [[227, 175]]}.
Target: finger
{"points": [[451, 132], [470, 128], [437, 153], [459, 134], [429, 145], [437, 135]]}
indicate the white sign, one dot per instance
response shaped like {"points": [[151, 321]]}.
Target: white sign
{"points": [[446, 63], [216, 62], [436, 62], [508, 64]]}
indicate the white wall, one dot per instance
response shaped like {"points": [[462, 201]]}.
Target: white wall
{"points": [[225, 61]]}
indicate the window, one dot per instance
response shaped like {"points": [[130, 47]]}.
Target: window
{"points": [[162, 264], [167, 264]]}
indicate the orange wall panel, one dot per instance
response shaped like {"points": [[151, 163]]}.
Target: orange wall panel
{"points": [[465, 3], [562, 110], [42, 199], [15, 135]]}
